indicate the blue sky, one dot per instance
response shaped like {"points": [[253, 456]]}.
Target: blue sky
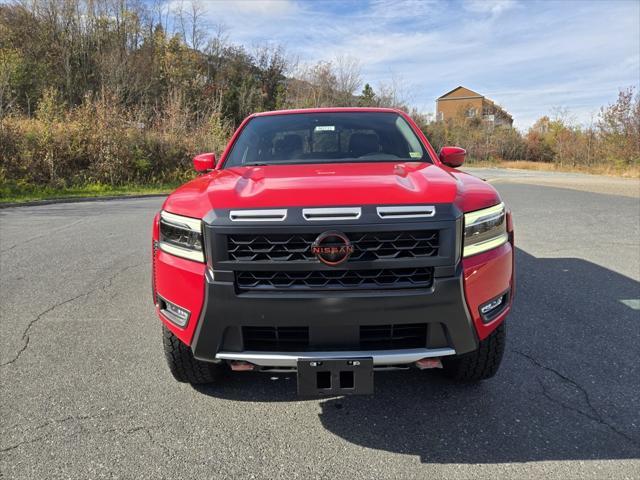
{"points": [[530, 56]]}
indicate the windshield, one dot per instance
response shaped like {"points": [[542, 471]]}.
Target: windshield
{"points": [[326, 138]]}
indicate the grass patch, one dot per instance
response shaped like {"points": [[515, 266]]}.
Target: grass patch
{"points": [[629, 171], [12, 193]]}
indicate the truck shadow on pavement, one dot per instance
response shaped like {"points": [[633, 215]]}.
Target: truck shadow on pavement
{"points": [[568, 388]]}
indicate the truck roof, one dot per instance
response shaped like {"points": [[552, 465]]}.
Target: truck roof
{"points": [[328, 110]]}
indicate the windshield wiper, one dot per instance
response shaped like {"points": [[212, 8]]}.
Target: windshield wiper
{"points": [[256, 164]]}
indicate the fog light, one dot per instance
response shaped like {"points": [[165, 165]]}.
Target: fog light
{"points": [[175, 313], [491, 305], [491, 309]]}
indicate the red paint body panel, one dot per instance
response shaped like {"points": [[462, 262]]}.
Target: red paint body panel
{"points": [[486, 276], [181, 282], [336, 184], [155, 233]]}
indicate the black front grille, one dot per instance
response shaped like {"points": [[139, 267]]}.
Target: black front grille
{"points": [[372, 337], [276, 339], [381, 337], [336, 279], [367, 246]]}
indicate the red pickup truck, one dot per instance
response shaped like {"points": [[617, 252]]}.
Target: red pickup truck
{"points": [[332, 243]]}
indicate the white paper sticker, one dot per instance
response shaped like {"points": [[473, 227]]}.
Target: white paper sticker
{"points": [[325, 128]]}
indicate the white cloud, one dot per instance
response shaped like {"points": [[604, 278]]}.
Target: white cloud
{"points": [[402, 9], [494, 7], [260, 8]]}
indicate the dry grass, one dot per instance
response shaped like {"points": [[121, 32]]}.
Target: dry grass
{"points": [[20, 193], [608, 170]]}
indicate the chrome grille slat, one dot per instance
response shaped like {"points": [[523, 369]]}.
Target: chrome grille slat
{"points": [[407, 211], [323, 214], [278, 215]]}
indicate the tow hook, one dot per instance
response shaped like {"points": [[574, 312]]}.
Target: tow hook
{"points": [[430, 362], [241, 366]]}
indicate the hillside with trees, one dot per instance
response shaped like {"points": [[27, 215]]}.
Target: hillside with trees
{"points": [[109, 92]]}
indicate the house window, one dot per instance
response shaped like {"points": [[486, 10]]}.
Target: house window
{"points": [[440, 116], [471, 112]]}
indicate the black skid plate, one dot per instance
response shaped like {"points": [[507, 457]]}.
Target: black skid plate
{"points": [[321, 377]]}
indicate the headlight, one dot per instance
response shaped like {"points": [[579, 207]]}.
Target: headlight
{"points": [[181, 236], [484, 229]]}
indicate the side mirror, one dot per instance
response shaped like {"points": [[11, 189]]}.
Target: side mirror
{"points": [[452, 156], [204, 162]]}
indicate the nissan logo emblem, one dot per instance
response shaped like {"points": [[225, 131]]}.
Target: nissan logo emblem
{"points": [[332, 248]]}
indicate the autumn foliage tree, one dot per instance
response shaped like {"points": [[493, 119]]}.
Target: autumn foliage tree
{"points": [[618, 130]]}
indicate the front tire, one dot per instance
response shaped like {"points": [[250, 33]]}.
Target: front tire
{"points": [[480, 364], [183, 365]]}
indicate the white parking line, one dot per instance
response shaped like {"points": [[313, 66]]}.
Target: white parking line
{"points": [[632, 303]]}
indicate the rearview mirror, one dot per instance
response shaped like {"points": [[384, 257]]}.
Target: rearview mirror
{"points": [[204, 162], [452, 156]]}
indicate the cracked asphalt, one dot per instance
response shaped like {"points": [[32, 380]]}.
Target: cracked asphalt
{"points": [[85, 392]]}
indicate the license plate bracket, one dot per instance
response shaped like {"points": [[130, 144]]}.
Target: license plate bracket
{"points": [[322, 377]]}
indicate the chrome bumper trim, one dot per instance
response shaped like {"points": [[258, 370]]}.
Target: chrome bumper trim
{"points": [[380, 357]]}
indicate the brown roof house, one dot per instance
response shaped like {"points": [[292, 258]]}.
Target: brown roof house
{"points": [[464, 102]]}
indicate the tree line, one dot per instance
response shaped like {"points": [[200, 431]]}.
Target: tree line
{"points": [[117, 92]]}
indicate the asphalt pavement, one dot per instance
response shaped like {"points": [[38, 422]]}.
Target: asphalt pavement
{"points": [[85, 392]]}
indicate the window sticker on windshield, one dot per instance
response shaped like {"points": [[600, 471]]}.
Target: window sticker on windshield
{"points": [[325, 128], [415, 154]]}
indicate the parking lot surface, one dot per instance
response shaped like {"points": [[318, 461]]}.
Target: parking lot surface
{"points": [[86, 393]]}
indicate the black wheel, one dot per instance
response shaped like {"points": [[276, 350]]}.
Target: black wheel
{"points": [[183, 366], [481, 363]]}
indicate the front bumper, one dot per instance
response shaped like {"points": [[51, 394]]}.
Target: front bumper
{"points": [[333, 319]]}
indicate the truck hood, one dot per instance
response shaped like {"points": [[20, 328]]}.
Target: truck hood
{"points": [[336, 184]]}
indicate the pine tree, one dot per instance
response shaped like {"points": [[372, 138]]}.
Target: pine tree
{"points": [[367, 97]]}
